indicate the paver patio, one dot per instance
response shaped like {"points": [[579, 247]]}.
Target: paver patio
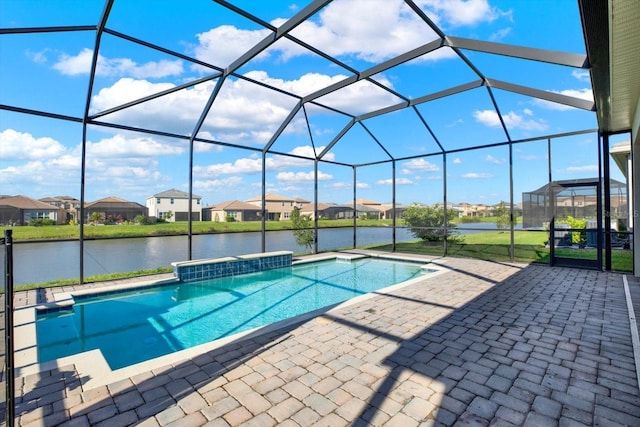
{"points": [[486, 343]]}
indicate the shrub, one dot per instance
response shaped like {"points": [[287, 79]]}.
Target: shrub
{"points": [[41, 222], [427, 223], [140, 220], [302, 231], [503, 216], [579, 237]]}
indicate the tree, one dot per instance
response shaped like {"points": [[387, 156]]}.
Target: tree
{"points": [[95, 217], [302, 228], [140, 220], [503, 216], [427, 222]]}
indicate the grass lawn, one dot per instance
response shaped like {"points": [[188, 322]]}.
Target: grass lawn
{"points": [[529, 246], [64, 232], [491, 245]]}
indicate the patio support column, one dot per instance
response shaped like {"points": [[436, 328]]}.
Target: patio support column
{"points": [[512, 247], [606, 183], [355, 207], [9, 362], [550, 205], [393, 206], [263, 234], [190, 209], [444, 200], [85, 119], [315, 206], [635, 195], [83, 173]]}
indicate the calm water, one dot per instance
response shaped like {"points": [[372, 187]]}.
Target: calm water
{"points": [[149, 323], [41, 262]]}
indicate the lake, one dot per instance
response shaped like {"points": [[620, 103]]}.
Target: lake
{"points": [[45, 261]]}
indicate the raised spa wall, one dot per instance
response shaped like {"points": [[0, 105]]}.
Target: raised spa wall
{"points": [[189, 271]]}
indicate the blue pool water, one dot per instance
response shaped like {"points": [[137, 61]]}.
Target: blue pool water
{"points": [[138, 325]]}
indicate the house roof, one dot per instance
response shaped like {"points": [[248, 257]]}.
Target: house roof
{"points": [[173, 193], [387, 206], [557, 185], [24, 202], [114, 201], [271, 197], [308, 207], [233, 205], [367, 202], [366, 208]]}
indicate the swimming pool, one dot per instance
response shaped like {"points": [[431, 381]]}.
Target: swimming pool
{"points": [[140, 324]]}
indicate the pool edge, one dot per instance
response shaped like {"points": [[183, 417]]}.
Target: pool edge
{"points": [[93, 370]]}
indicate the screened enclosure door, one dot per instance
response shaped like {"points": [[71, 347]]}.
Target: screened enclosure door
{"points": [[576, 234]]}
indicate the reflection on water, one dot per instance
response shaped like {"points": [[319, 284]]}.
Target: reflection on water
{"points": [[47, 261], [41, 262]]}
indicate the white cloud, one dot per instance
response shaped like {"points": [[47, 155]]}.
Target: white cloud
{"points": [[81, 64], [336, 32], [475, 175], [454, 123], [220, 183], [493, 160], [457, 161], [585, 94], [340, 185], [399, 181], [39, 57], [300, 177], [500, 34], [222, 45], [113, 165], [419, 165], [24, 146], [512, 120], [119, 146], [128, 89], [305, 84], [460, 12], [582, 75], [240, 166], [253, 165], [205, 147], [362, 185], [585, 168]]}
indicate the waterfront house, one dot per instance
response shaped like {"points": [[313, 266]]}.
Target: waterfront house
{"points": [[232, 210], [71, 205], [114, 210], [278, 207], [173, 205], [20, 210], [327, 211]]}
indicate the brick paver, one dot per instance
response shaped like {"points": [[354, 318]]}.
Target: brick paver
{"points": [[484, 343]]}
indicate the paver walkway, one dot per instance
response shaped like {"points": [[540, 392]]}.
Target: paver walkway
{"points": [[484, 344]]}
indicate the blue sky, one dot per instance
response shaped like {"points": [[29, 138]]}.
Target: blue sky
{"points": [[49, 72]]}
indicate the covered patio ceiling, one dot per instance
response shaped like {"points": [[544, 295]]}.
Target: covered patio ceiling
{"points": [[432, 93], [612, 38]]}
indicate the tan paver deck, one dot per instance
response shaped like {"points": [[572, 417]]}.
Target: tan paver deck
{"points": [[486, 343]]}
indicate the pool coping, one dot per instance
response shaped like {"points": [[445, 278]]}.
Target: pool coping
{"points": [[94, 371]]}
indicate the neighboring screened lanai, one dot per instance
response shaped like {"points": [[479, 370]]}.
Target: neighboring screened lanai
{"points": [[465, 104]]}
